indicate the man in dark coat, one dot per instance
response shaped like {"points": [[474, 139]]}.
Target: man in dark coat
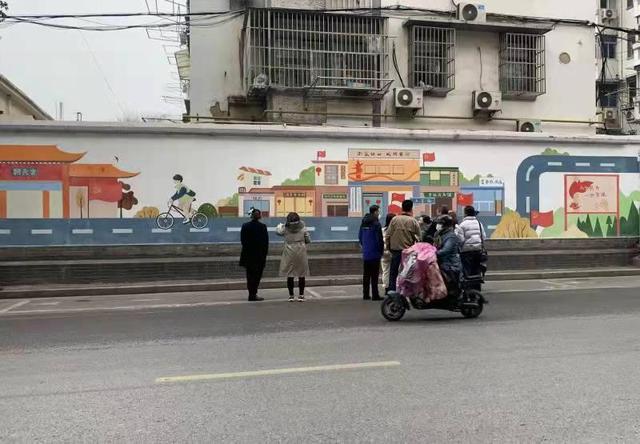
{"points": [[255, 248]]}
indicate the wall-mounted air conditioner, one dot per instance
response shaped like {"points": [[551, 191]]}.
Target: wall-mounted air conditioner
{"points": [[486, 102], [607, 15], [530, 126], [472, 12], [408, 98]]}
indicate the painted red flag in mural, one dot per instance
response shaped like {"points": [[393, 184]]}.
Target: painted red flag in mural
{"points": [[465, 199], [542, 219], [396, 203], [321, 154], [106, 191], [428, 157]]}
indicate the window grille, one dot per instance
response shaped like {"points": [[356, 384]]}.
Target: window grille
{"points": [[432, 58], [522, 66], [349, 4], [301, 49], [331, 175]]}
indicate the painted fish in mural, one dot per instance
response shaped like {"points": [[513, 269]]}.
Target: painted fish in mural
{"points": [[578, 187]]}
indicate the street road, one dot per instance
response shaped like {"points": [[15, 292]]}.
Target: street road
{"points": [[551, 361]]}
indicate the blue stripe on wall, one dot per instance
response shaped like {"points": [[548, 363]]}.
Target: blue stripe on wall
{"points": [[30, 186]]}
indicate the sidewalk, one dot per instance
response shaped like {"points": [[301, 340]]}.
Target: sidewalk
{"points": [[155, 287]]}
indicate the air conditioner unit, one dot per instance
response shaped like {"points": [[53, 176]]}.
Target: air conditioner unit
{"points": [[472, 12], [408, 98], [608, 14], [611, 117], [486, 102], [530, 126]]}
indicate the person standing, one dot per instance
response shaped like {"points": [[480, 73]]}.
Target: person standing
{"points": [[472, 235], [372, 243], [255, 248], [386, 256], [403, 232], [294, 263]]}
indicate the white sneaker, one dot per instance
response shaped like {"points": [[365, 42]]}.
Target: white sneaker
{"points": [[301, 298], [292, 299], [186, 221]]}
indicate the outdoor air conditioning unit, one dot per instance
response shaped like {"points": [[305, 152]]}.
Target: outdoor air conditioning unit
{"points": [[408, 98], [472, 12], [608, 14], [485, 102], [611, 117], [530, 126]]}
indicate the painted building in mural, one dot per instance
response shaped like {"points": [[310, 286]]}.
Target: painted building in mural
{"points": [[487, 196], [331, 183], [382, 177], [254, 191], [440, 187], [43, 181]]}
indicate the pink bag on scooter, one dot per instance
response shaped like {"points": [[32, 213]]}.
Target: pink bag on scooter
{"points": [[420, 274]]}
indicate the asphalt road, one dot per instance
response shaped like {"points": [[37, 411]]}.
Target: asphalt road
{"points": [[552, 361]]}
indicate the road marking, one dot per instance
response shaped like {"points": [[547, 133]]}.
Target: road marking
{"points": [[122, 231], [554, 164], [529, 171], [583, 164], [311, 229], [44, 231], [608, 165], [145, 300], [198, 230], [314, 293], [233, 229], [82, 231], [339, 228], [160, 231], [16, 305], [528, 200], [3, 231], [278, 371], [45, 303]]}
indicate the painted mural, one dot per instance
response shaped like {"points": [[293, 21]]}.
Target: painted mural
{"points": [[551, 194]]}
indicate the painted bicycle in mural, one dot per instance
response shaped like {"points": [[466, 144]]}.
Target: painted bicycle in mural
{"points": [[165, 220]]}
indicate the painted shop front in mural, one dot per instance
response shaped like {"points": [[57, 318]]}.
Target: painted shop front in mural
{"points": [[107, 187]]}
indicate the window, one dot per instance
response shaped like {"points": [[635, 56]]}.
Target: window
{"points": [[298, 49], [522, 66], [439, 178], [631, 88], [608, 95], [337, 210], [608, 46], [432, 58], [630, 4], [257, 180], [343, 172], [331, 175], [631, 40]]}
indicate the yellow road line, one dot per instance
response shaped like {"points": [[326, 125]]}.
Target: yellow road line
{"points": [[278, 371]]}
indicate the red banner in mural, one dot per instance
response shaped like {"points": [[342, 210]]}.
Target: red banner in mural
{"points": [[396, 203], [465, 199], [106, 191], [544, 220]]}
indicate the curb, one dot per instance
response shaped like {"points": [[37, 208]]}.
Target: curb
{"points": [[180, 287]]}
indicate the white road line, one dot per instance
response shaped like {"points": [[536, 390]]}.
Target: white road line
{"points": [[314, 293], [608, 165], [529, 171], [312, 229], [16, 305], [339, 228], [233, 229], [45, 303], [82, 231], [583, 164], [278, 371], [199, 230], [122, 231], [554, 164], [43, 231], [160, 231], [4, 231], [145, 300]]}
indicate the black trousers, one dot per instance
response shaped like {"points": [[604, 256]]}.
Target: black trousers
{"points": [[254, 276], [394, 269], [370, 278]]}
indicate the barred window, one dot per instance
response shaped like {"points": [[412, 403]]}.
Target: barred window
{"points": [[432, 58], [296, 49], [522, 66]]}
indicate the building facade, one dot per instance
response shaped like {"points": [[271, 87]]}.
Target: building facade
{"points": [[315, 62], [15, 105]]}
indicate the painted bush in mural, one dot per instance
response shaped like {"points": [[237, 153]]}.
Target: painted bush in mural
{"points": [[513, 226], [147, 213], [208, 210]]}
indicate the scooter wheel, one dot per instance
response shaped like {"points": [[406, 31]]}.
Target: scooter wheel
{"points": [[392, 309], [473, 312]]}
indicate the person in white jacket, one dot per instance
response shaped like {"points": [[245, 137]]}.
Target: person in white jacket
{"points": [[472, 235]]}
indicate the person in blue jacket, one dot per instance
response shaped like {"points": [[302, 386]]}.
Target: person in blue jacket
{"points": [[372, 243]]}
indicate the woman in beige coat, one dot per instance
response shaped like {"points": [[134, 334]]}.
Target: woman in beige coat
{"points": [[294, 262]]}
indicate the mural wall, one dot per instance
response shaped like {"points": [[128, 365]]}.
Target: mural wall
{"points": [[522, 189]]}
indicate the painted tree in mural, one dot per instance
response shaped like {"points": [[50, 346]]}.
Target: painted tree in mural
{"points": [[81, 201], [128, 200], [611, 226], [554, 152], [597, 231], [148, 213], [512, 226], [630, 225], [306, 178], [208, 210]]}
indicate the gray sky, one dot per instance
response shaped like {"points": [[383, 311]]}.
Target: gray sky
{"points": [[53, 65]]}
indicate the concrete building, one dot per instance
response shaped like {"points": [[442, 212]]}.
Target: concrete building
{"points": [[389, 66], [15, 105]]}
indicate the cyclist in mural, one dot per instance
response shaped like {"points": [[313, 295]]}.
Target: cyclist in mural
{"points": [[184, 197]]}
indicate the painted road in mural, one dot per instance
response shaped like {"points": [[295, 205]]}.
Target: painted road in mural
{"points": [[530, 170]]}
